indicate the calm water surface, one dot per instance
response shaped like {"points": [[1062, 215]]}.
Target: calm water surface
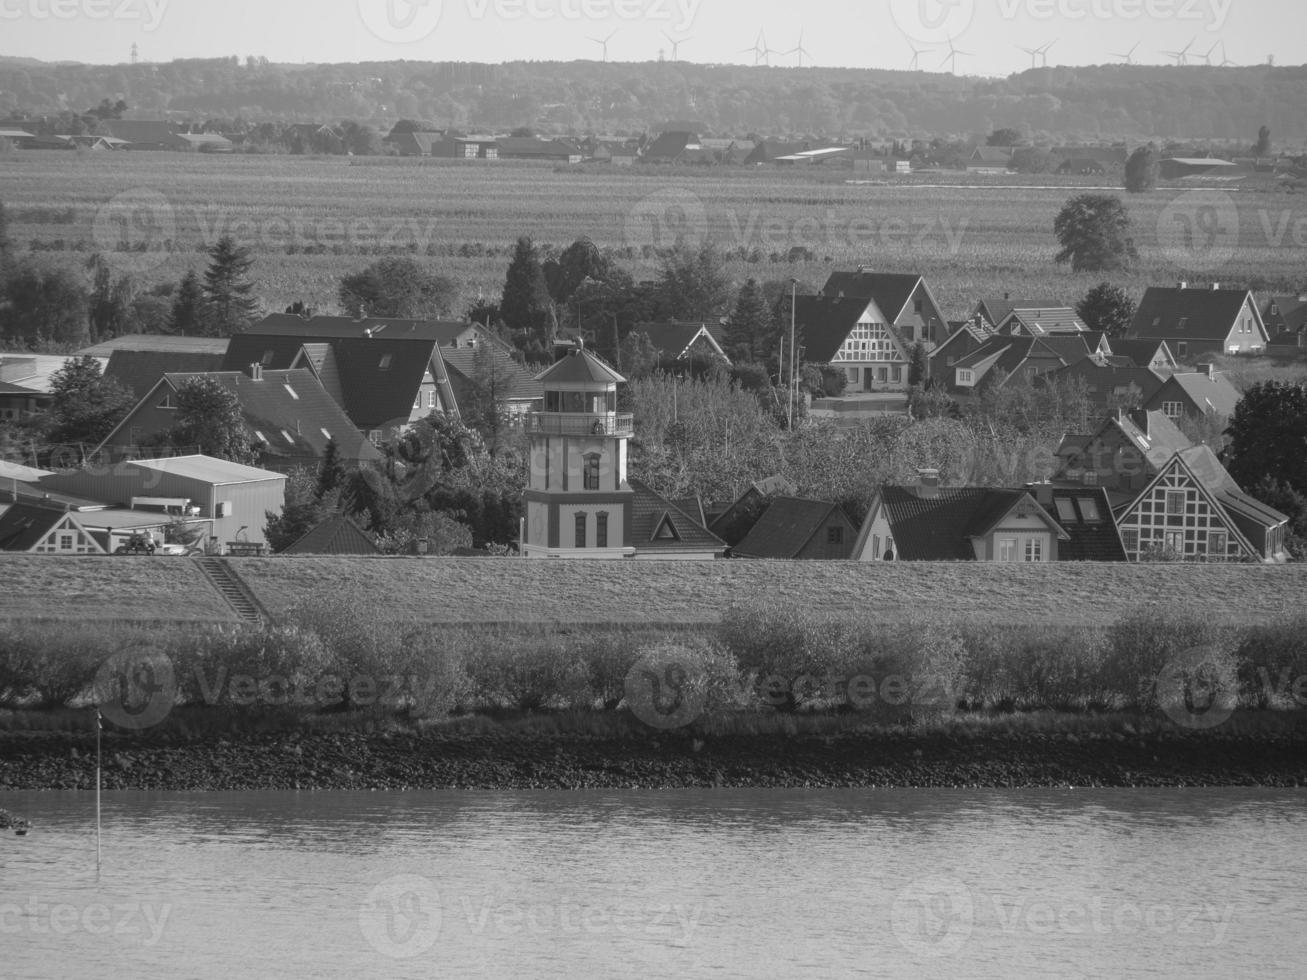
{"points": [[1197, 883]]}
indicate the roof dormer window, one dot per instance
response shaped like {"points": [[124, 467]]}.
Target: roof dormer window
{"points": [[384, 364], [267, 357]]}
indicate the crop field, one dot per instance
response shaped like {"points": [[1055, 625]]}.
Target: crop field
{"points": [[311, 220], [673, 594], [110, 589]]}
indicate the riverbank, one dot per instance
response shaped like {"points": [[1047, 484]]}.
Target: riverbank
{"points": [[395, 760]]}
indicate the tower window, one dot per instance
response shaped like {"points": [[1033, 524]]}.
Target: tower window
{"points": [[580, 530], [601, 530], [591, 475]]}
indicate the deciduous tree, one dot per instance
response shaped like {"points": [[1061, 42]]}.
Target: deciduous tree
{"points": [[1268, 436], [1107, 308], [209, 417], [1092, 229], [1141, 170], [398, 287]]}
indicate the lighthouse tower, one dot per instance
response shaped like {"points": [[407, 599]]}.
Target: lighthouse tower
{"points": [[578, 503]]}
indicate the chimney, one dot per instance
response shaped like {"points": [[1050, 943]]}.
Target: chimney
{"points": [[1181, 285], [928, 484], [1042, 492], [1206, 369], [256, 371], [1215, 286]]}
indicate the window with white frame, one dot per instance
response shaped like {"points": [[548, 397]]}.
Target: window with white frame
{"points": [[1173, 410], [1034, 549], [1175, 502], [966, 377], [1007, 549]]}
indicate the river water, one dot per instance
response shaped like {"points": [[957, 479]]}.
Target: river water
{"points": [[1176, 883]]}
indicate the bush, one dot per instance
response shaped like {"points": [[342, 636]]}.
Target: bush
{"points": [[1272, 660], [1145, 642], [1023, 668], [547, 673], [50, 665]]}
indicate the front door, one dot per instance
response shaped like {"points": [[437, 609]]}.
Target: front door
{"points": [[867, 379]]}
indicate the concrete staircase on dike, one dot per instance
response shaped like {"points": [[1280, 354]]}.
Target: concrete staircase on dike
{"points": [[233, 589]]}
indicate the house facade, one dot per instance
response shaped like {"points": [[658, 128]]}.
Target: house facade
{"points": [[1122, 455], [905, 300], [855, 336], [1198, 322], [928, 522], [1192, 510]]}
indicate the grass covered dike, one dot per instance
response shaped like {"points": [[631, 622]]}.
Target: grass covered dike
{"points": [[334, 695]]}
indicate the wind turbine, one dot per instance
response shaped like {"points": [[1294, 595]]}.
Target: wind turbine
{"points": [[1207, 58], [676, 45], [1034, 56], [1043, 52], [800, 50], [759, 49], [951, 59], [1129, 56], [1182, 56], [915, 63], [603, 41]]}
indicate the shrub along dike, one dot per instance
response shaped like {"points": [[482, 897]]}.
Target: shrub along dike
{"points": [[774, 696]]}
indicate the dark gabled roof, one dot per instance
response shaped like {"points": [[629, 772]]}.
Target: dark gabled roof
{"points": [[1208, 393], [672, 337], [890, 290], [512, 380], [290, 410], [337, 535], [694, 507], [1208, 314], [1290, 313], [824, 323], [785, 527], [530, 146], [651, 512], [140, 370], [668, 146], [1142, 351], [579, 365], [23, 525], [993, 154], [1091, 529], [1108, 377], [1208, 469], [939, 527], [379, 376]]}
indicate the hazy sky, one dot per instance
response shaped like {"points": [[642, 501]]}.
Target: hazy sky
{"points": [[876, 34]]}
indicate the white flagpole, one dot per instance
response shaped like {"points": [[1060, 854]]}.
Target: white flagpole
{"points": [[97, 792]]}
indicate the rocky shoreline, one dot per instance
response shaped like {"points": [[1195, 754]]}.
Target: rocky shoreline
{"points": [[429, 760]]}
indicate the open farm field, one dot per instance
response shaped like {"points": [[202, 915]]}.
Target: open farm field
{"points": [[653, 594], [311, 220], [110, 589]]}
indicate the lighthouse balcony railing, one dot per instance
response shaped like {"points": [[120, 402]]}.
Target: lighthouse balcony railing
{"points": [[580, 424]]}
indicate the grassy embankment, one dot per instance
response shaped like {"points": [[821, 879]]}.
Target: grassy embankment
{"points": [[309, 221], [553, 644]]}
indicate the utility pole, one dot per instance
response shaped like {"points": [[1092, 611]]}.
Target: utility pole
{"points": [[794, 374]]}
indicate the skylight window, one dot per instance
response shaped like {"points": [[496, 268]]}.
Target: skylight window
{"points": [[1065, 510], [288, 437], [1089, 509], [291, 391], [385, 362], [325, 433], [267, 357], [260, 436]]}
